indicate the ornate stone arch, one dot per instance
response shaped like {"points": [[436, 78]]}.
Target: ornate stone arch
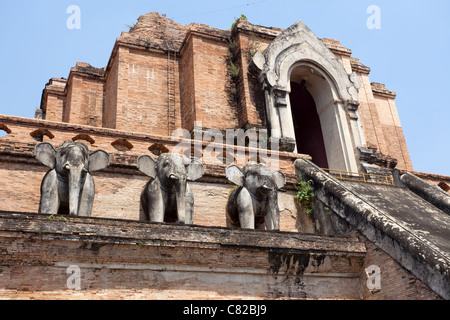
{"points": [[294, 53]]}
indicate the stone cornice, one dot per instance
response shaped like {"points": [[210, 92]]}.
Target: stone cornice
{"points": [[201, 33], [87, 71], [336, 47], [265, 32], [111, 231], [358, 67], [79, 128], [379, 89], [215, 171], [53, 87]]}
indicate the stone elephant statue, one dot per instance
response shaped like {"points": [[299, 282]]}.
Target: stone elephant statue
{"points": [[68, 188], [254, 203], [167, 196]]}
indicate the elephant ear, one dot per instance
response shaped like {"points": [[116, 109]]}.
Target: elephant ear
{"points": [[195, 170], [147, 165], [46, 154], [98, 160], [235, 175], [279, 179]]}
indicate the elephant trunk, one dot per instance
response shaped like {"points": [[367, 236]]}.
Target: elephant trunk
{"points": [[75, 181], [180, 189], [272, 211]]}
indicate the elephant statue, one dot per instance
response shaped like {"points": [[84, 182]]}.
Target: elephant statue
{"points": [[254, 203], [167, 196], [68, 188]]}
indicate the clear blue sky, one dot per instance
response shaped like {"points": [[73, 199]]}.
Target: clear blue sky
{"points": [[410, 53]]}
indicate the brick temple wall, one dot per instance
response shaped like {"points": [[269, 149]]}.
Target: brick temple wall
{"points": [[212, 102], [117, 199], [187, 86], [85, 103], [119, 259], [125, 109], [53, 99], [392, 129], [396, 283], [128, 260], [111, 91], [142, 92], [250, 96], [149, 91], [119, 186]]}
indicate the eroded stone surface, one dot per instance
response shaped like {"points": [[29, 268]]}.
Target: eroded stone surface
{"points": [[411, 230]]}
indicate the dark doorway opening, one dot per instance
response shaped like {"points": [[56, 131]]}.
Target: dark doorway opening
{"points": [[308, 131]]}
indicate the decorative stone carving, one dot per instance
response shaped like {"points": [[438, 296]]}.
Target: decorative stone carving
{"points": [[280, 98], [352, 108], [254, 203], [167, 197], [286, 144], [371, 157], [295, 55], [68, 187], [354, 89], [39, 114], [353, 77]]}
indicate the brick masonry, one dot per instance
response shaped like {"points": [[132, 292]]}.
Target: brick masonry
{"points": [[396, 283], [118, 187], [161, 76], [124, 259], [41, 242]]}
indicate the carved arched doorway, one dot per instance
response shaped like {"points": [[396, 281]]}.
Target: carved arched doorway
{"points": [[297, 55]]}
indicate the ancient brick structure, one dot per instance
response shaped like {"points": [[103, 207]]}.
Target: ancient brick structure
{"points": [[163, 76]]}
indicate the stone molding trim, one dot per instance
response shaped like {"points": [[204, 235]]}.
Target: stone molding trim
{"points": [[379, 89]]}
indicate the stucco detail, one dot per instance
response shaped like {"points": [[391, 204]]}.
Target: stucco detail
{"points": [[337, 93]]}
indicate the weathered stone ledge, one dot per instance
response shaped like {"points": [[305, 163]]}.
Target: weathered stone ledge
{"points": [[164, 261], [32, 225]]}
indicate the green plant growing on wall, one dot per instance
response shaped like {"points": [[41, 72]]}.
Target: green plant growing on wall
{"points": [[130, 26], [305, 194], [242, 17], [60, 218], [233, 70]]}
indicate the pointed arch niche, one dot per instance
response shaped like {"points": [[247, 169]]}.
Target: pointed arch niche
{"points": [[299, 58]]}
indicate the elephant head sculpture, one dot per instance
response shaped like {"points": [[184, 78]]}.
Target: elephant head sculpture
{"points": [[167, 197], [68, 188], [254, 203]]}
